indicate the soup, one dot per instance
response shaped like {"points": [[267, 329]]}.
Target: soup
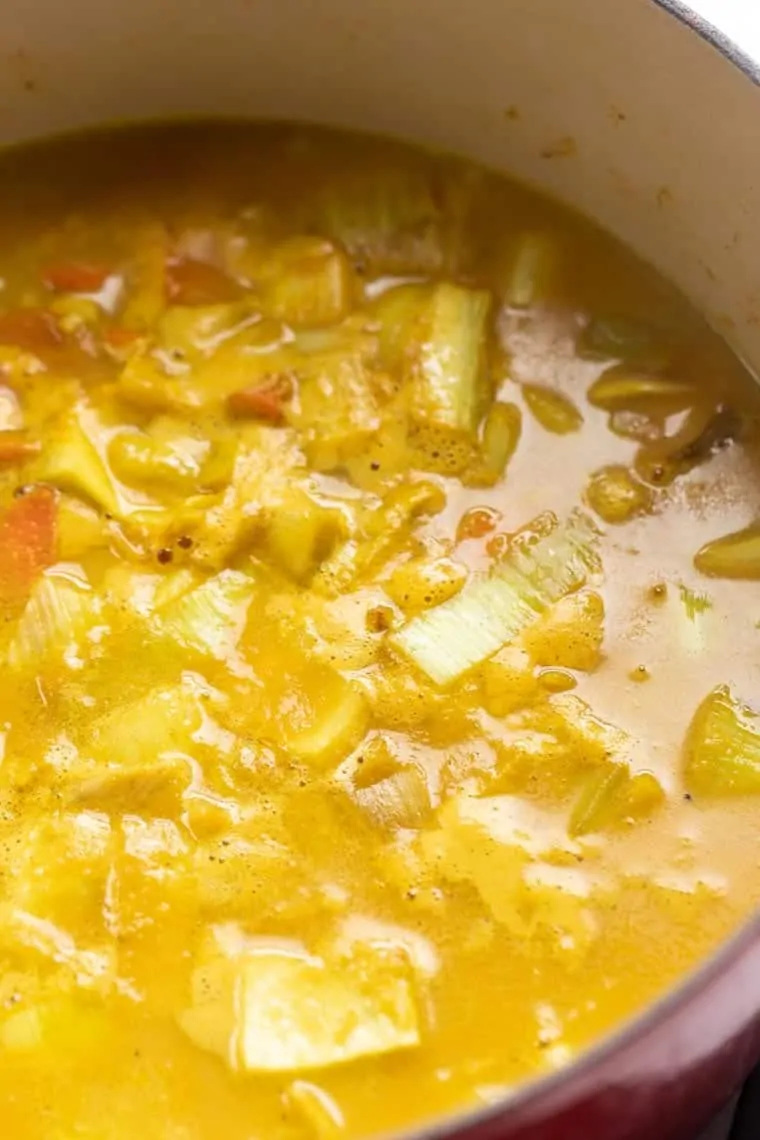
{"points": [[378, 601]]}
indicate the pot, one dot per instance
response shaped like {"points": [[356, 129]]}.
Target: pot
{"points": [[635, 112]]}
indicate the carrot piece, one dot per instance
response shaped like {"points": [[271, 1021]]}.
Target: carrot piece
{"points": [[27, 542], [191, 282], [119, 337], [263, 401], [15, 447], [31, 329], [74, 277]]}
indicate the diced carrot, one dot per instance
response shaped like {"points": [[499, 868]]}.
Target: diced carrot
{"points": [[119, 337], [27, 542], [191, 282], [263, 401], [75, 277], [15, 447], [34, 330]]}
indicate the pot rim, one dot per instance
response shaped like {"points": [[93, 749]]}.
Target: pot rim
{"points": [[557, 1087]]}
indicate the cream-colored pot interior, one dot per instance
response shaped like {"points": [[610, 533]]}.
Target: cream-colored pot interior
{"points": [[613, 105]]}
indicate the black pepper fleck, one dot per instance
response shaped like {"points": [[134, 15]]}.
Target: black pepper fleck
{"points": [[164, 555]]}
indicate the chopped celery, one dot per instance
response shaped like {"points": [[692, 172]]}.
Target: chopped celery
{"points": [[490, 612], [72, 460], [307, 281], [271, 1010], [331, 722], [553, 410], [447, 378], [212, 617], [59, 611], [401, 799], [734, 555], [620, 390], [532, 271], [615, 495], [611, 796], [300, 533], [400, 312], [338, 413], [387, 217], [722, 749]]}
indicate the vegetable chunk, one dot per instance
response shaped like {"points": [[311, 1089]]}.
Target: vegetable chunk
{"points": [[722, 749], [277, 1011]]}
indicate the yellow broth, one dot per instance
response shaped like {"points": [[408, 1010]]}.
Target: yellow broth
{"points": [[352, 636]]}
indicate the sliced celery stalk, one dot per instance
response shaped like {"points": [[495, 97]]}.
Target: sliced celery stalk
{"points": [[722, 750], [279, 1010], [136, 735], [533, 269], [401, 799], [210, 618], [446, 382], [501, 434], [490, 612], [735, 555], [58, 612], [611, 796], [307, 281]]}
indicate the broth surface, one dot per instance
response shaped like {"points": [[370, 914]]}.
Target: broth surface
{"points": [[373, 734]]}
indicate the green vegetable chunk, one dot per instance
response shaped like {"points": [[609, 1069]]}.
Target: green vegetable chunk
{"points": [[722, 750], [447, 378], [451, 638]]}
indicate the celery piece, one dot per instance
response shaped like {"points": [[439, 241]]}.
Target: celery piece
{"points": [[620, 390], [401, 799], [307, 281], [72, 460], [734, 555], [532, 271], [447, 377], [385, 216], [59, 611], [555, 411], [270, 1010], [400, 311], [210, 618], [611, 796], [337, 413], [722, 749], [490, 612]]}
